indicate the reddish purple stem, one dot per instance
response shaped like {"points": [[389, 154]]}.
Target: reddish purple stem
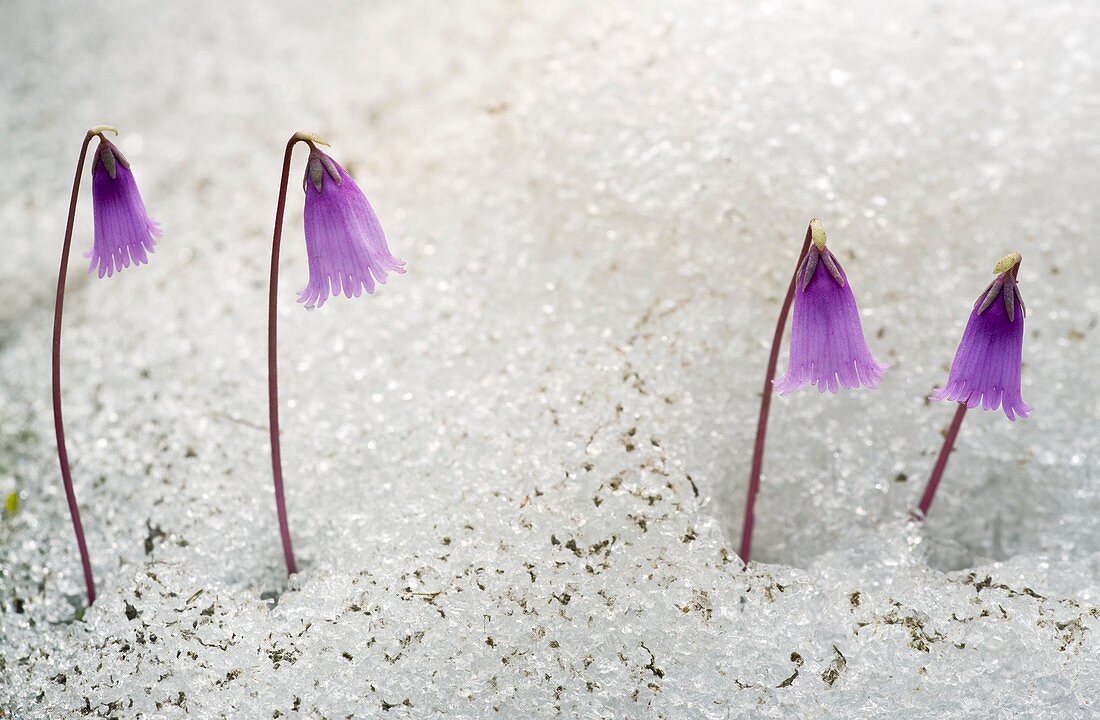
{"points": [[765, 407], [58, 423], [273, 361], [941, 464]]}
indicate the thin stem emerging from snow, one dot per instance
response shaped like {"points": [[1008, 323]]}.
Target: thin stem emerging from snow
{"points": [[58, 423], [941, 464], [273, 360], [765, 406]]}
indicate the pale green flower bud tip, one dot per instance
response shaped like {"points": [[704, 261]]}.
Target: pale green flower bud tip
{"points": [[1007, 263], [817, 234], [100, 129], [311, 138]]}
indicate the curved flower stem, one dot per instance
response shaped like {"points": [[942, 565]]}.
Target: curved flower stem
{"points": [[941, 464], [765, 407], [273, 359], [58, 422]]}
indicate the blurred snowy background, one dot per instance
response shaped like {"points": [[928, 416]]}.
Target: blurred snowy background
{"points": [[515, 474]]}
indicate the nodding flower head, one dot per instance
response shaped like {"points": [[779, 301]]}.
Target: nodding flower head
{"points": [[986, 369], [124, 232], [827, 344], [344, 240]]}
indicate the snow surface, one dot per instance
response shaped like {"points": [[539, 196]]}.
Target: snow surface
{"points": [[516, 474]]}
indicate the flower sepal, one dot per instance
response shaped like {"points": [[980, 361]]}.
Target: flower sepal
{"points": [[319, 164], [1005, 286]]}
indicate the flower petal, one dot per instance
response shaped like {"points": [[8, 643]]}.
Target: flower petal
{"points": [[827, 347], [345, 243], [124, 233], [987, 366]]}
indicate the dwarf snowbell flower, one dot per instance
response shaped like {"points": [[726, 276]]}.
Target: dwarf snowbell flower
{"points": [[827, 347], [347, 253], [827, 344], [124, 233], [346, 246], [986, 368]]}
